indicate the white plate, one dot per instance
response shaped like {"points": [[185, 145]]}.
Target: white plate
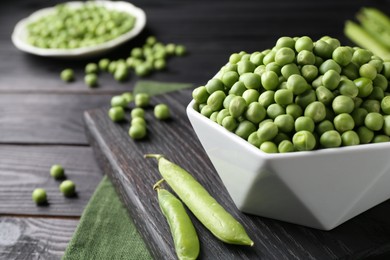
{"points": [[19, 35]]}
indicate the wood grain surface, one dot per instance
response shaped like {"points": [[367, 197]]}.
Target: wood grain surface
{"points": [[367, 235], [34, 238], [24, 168]]}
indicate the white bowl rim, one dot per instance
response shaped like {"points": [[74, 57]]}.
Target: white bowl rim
{"points": [[19, 33], [275, 156]]}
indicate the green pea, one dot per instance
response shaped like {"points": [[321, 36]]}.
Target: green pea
{"points": [[285, 41], [260, 70], [317, 82], [324, 126], [161, 112], [213, 116], [343, 122], [294, 110], [68, 188], [297, 84], [342, 55], [377, 63], [348, 88], [215, 100], [333, 42], [324, 95], [136, 53], [237, 89], [91, 80], [349, 138], [304, 43], [234, 58], [385, 105], [386, 125], [183, 231], [381, 139], [268, 147], [285, 123], [381, 82], [254, 139], [306, 57], [306, 98], [267, 131], [330, 139], [116, 114], [368, 71], [304, 141], [221, 115], [137, 131], [180, 50], [267, 98], [364, 86], [286, 146], [343, 104], [251, 80], [269, 57], [280, 137], [57, 171], [257, 58], [67, 75], [316, 111], [284, 56], [331, 79], [361, 56], [289, 69], [200, 94], [323, 49], [128, 97], [143, 69], [269, 80], [244, 129], [142, 99], [118, 101], [214, 85], [255, 112], [39, 196], [138, 120], [159, 64], [251, 95], [237, 106], [103, 64], [329, 65], [304, 123], [284, 97], [275, 110], [365, 135], [137, 112], [374, 121], [358, 115], [91, 68], [227, 100], [309, 72], [386, 69], [206, 111], [351, 71], [245, 66], [229, 123], [371, 105]]}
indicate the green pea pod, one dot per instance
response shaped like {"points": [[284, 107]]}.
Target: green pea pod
{"points": [[183, 231], [209, 212]]}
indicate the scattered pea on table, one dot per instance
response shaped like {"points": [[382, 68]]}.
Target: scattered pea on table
{"points": [[68, 188], [39, 196], [57, 171], [67, 75]]}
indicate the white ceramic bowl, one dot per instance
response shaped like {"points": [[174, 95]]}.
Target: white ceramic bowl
{"points": [[20, 34], [320, 189]]}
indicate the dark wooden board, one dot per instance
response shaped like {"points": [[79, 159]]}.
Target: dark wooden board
{"points": [[24, 168], [46, 118], [367, 235], [34, 238]]}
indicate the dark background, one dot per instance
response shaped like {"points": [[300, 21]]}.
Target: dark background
{"points": [[41, 116]]}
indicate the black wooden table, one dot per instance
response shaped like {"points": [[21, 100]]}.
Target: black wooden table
{"points": [[41, 119]]}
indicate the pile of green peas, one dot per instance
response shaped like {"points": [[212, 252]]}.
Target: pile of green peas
{"points": [[152, 56], [301, 95], [138, 124], [76, 27]]}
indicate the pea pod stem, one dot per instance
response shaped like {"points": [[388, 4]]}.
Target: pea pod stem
{"points": [[183, 231], [206, 209]]}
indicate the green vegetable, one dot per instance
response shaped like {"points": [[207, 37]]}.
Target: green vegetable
{"points": [[142, 100], [119, 101], [91, 68], [161, 112], [67, 75], [183, 231], [116, 114], [57, 171], [304, 141], [39, 196], [205, 208], [137, 131], [91, 80], [137, 112], [68, 188]]}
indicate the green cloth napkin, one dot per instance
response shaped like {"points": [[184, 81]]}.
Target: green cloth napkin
{"points": [[106, 231]]}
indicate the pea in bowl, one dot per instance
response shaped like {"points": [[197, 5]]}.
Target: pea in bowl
{"points": [[21, 34], [319, 189]]}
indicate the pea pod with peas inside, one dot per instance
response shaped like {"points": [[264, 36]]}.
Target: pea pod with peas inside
{"points": [[205, 208], [183, 231]]}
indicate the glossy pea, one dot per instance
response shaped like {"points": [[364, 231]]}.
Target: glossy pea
{"points": [[267, 131], [183, 231], [214, 85], [286, 146], [365, 135], [304, 141], [205, 208], [244, 129], [237, 106], [349, 138], [267, 98], [215, 100], [255, 112], [268, 147]]}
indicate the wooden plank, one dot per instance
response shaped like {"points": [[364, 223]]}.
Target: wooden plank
{"points": [[24, 168], [34, 238], [122, 159], [45, 119]]}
